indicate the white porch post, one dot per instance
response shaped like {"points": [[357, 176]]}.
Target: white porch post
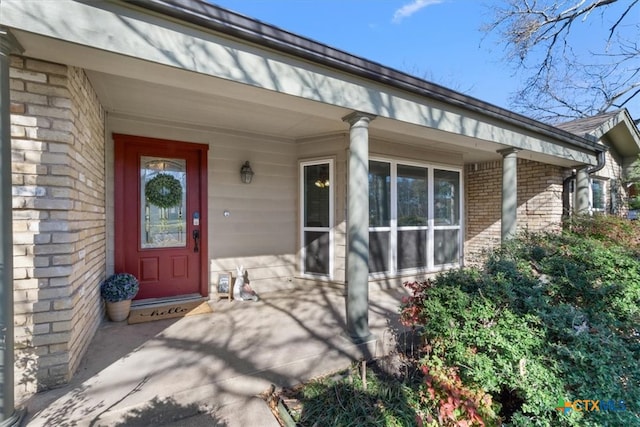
{"points": [[581, 202], [9, 417], [509, 193], [357, 302]]}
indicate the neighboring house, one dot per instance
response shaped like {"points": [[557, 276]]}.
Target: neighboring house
{"points": [[362, 174]]}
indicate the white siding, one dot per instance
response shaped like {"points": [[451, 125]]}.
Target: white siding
{"points": [[260, 232]]}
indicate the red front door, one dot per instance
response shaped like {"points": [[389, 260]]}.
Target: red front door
{"points": [[160, 215]]}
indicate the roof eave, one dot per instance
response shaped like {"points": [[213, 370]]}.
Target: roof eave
{"points": [[236, 25], [622, 117]]}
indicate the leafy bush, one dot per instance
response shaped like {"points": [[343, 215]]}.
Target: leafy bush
{"points": [[550, 318], [458, 405], [119, 287], [608, 229]]}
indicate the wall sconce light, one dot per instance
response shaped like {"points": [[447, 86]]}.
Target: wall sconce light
{"points": [[246, 173]]}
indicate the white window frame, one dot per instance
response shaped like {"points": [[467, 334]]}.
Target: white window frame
{"points": [[329, 229], [433, 227], [430, 228], [604, 195]]}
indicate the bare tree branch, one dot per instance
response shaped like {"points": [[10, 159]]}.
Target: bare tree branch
{"points": [[612, 30], [564, 82]]}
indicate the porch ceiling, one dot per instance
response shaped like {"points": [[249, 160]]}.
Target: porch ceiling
{"points": [[284, 118], [267, 113]]}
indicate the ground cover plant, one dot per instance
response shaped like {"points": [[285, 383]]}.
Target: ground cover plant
{"points": [[351, 399], [550, 319], [546, 333]]}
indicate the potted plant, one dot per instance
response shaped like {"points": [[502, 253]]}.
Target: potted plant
{"points": [[117, 291]]}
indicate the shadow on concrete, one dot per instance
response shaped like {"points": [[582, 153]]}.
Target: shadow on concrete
{"points": [[214, 365], [167, 412]]}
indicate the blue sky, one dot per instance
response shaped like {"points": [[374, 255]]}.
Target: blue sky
{"points": [[438, 40]]}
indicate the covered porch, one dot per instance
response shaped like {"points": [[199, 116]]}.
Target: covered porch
{"points": [[217, 363]]}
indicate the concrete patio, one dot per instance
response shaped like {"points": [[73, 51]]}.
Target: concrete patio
{"points": [[208, 369]]}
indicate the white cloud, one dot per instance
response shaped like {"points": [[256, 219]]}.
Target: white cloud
{"points": [[411, 8]]}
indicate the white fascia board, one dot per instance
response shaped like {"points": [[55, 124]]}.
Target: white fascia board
{"points": [[116, 28]]}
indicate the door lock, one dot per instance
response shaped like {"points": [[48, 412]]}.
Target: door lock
{"points": [[196, 237]]}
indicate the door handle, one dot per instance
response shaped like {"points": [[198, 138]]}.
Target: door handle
{"points": [[196, 237]]}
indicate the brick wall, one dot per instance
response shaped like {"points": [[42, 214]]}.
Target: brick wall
{"points": [[540, 196], [539, 202], [58, 173]]}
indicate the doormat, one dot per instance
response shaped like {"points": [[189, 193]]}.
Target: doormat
{"points": [[168, 310]]}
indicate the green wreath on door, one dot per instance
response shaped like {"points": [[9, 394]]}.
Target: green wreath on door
{"points": [[163, 191]]}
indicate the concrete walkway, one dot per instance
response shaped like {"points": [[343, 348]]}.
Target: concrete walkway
{"points": [[209, 369]]}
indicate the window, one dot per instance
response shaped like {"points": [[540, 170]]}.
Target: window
{"points": [[447, 217], [317, 217], [598, 195], [413, 208], [412, 196], [163, 184], [379, 216], [414, 217]]}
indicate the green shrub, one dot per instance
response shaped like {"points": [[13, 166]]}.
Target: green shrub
{"points": [[550, 318], [608, 229]]}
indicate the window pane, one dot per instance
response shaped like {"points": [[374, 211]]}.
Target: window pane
{"points": [[597, 191], [379, 194], [316, 259], [163, 184], [412, 195], [412, 249], [316, 195], [446, 197], [445, 247], [378, 251]]}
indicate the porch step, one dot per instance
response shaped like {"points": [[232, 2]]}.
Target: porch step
{"points": [[168, 308]]}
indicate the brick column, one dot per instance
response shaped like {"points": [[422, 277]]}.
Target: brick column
{"points": [[8, 45], [357, 303], [59, 233]]}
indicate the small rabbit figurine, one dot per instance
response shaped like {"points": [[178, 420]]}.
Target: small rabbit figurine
{"points": [[239, 283], [241, 289]]}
